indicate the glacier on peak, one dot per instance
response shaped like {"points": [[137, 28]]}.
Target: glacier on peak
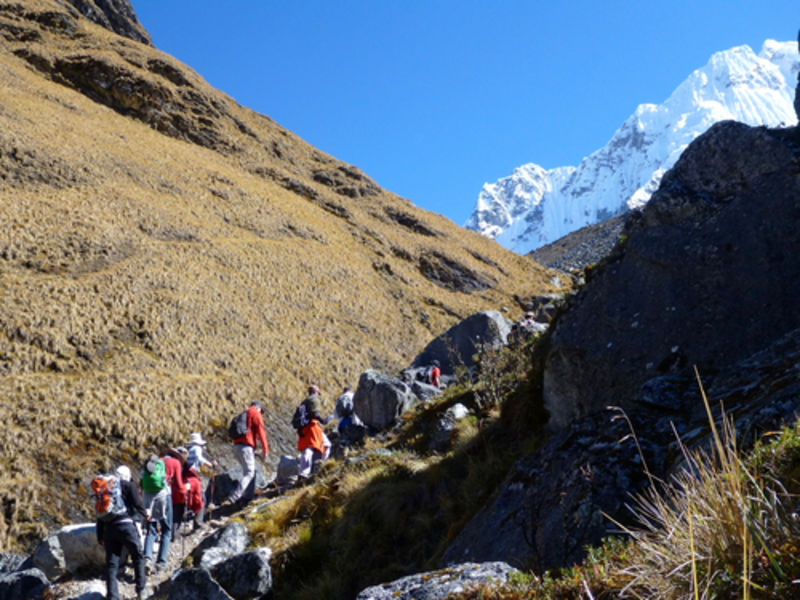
{"points": [[535, 206]]}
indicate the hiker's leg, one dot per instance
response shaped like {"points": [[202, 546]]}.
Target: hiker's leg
{"points": [[304, 466], [177, 518], [166, 536], [198, 517], [130, 541], [113, 549], [247, 460]]}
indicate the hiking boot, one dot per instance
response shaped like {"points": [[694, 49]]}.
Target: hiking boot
{"points": [[148, 566]]}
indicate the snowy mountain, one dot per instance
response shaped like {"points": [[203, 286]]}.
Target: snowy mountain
{"points": [[534, 206]]}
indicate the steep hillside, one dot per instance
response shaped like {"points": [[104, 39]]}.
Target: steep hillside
{"points": [[167, 255]]}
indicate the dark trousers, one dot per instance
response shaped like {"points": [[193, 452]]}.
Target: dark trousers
{"points": [[116, 536]]}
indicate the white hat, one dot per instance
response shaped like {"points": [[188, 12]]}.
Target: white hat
{"points": [[124, 473], [196, 439]]}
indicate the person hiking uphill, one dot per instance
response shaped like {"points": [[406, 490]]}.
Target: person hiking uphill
{"points": [[312, 443], [115, 530], [245, 448]]}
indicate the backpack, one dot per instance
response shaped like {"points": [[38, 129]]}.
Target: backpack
{"points": [[345, 405], [238, 426], [154, 475], [300, 418], [109, 504]]}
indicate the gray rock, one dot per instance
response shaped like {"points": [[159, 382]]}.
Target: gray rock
{"points": [[288, 471], [196, 584], [245, 576], [221, 545], [438, 585], [424, 391], [29, 584], [445, 426], [457, 346], [380, 400], [71, 550], [10, 562], [225, 483]]}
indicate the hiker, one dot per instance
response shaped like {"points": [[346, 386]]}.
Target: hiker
{"points": [[158, 503], [312, 443], [434, 373], [351, 429], [115, 530], [196, 457], [312, 447], [136, 509], [179, 488], [245, 447], [194, 496]]}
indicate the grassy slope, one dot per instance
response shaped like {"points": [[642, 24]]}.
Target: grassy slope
{"points": [[150, 286]]}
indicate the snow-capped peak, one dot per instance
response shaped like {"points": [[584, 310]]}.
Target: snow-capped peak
{"points": [[534, 206]]}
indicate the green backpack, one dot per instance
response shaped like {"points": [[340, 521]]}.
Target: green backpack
{"points": [[154, 475]]}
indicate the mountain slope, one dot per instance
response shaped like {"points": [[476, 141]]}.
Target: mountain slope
{"points": [[534, 206], [167, 256]]}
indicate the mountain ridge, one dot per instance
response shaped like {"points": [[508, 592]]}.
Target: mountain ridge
{"points": [[534, 206]]}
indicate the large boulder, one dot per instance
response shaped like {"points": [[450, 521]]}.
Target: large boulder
{"points": [[701, 278], [71, 550], [288, 471], [196, 584], [458, 345], [438, 585], [380, 400], [221, 545], [246, 576], [29, 584]]}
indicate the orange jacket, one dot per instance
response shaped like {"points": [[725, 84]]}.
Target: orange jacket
{"points": [[255, 430], [311, 436]]}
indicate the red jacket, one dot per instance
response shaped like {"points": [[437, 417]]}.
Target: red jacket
{"points": [[194, 499], [255, 430], [175, 480], [311, 436]]}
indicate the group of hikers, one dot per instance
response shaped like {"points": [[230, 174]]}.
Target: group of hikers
{"points": [[130, 521]]}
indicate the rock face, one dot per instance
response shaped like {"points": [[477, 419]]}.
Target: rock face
{"points": [[116, 15], [438, 585], [460, 343], [246, 575], [380, 399], [701, 280], [554, 501]]}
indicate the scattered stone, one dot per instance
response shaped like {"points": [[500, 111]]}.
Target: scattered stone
{"points": [[245, 576], [196, 584], [29, 584], [438, 585], [223, 544]]}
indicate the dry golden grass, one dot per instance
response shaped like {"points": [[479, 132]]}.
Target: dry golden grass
{"points": [[151, 286]]}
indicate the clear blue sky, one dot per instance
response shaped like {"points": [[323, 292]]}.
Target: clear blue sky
{"points": [[434, 98]]}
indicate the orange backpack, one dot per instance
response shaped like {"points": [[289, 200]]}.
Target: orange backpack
{"points": [[108, 497]]}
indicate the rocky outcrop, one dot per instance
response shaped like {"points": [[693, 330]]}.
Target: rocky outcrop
{"points": [[245, 576], [115, 15], [380, 400], [700, 280], [438, 585], [196, 584], [554, 502], [458, 345]]}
